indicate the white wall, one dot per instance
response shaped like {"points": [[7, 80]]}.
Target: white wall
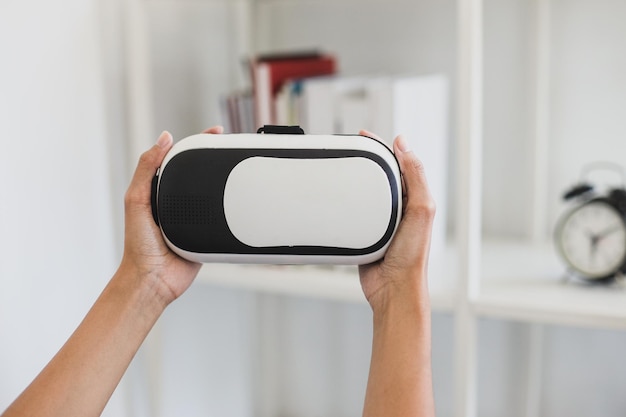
{"points": [[586, 105], [589, 88], [197, 49], [507, 192], [57, 248]]}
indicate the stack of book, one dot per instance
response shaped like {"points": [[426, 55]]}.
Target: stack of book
{"points": [[244, 112]]}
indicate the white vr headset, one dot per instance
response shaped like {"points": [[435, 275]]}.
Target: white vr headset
{"points": [[278, 198]]}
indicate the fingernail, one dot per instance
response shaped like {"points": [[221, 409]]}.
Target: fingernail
{"points": [[164, 139], [403, 145]]}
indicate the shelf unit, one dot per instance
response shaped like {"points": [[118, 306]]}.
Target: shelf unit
{"points": [[514, 280]]}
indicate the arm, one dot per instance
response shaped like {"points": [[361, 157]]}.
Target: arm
{"points": [[80, 379], [400, 378]]}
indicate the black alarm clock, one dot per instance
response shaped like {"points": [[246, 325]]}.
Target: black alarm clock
{"points": [[591, 236]]}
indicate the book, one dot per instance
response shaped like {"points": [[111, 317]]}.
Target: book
{"points": [[237, 111], [270, 73]]}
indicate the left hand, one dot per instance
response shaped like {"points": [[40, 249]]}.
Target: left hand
{"points": [[145, 251]]}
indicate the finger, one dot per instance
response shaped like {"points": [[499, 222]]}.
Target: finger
{"points": [[417, 193], [412, 240], [369, 134], [216, 130], [140, 186]]}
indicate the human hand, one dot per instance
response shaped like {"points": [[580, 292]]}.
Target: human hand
{"points": [[145, 252], [402, 273]]}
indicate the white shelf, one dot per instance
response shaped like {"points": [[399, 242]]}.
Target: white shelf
{"points": [[339, 283], [526, 282], [336, 283], [519, 281]]}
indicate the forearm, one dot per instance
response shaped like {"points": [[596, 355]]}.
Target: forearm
{"points": [[80, 379], [400, 379]]}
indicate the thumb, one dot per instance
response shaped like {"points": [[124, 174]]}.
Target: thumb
{"points": [[140, 186], [418, 200], [412, 240]]}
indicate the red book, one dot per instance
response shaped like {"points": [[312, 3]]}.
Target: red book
{"points": [[270, 73]]}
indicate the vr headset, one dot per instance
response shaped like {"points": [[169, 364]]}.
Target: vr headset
{"points": [[280, 197]]}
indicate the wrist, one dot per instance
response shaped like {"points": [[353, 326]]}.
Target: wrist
{"points": [[406, 320], [404, 297], [143, 288]]}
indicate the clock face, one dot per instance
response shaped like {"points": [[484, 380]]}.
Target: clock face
{"points": [[592, 240]]}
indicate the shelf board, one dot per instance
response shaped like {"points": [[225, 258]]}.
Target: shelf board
{"points": [[520, 281], [327, 282], [305, 280], [526, 282]]}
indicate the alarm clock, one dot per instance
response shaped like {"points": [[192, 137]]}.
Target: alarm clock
{"points": [[591, 235]]}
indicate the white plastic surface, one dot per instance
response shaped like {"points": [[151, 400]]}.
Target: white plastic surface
{"points": [[334, 202]]}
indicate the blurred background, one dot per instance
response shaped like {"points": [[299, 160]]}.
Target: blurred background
{"points": [[87, 85]]}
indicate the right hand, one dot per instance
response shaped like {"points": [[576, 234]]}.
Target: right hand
{"points": [[403, 270]]}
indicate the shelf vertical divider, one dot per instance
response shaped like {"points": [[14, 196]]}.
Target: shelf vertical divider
{"points": [[139, 133], [534, 370], [540, 116], [139, 97], [469, 207], [540, 136]]}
